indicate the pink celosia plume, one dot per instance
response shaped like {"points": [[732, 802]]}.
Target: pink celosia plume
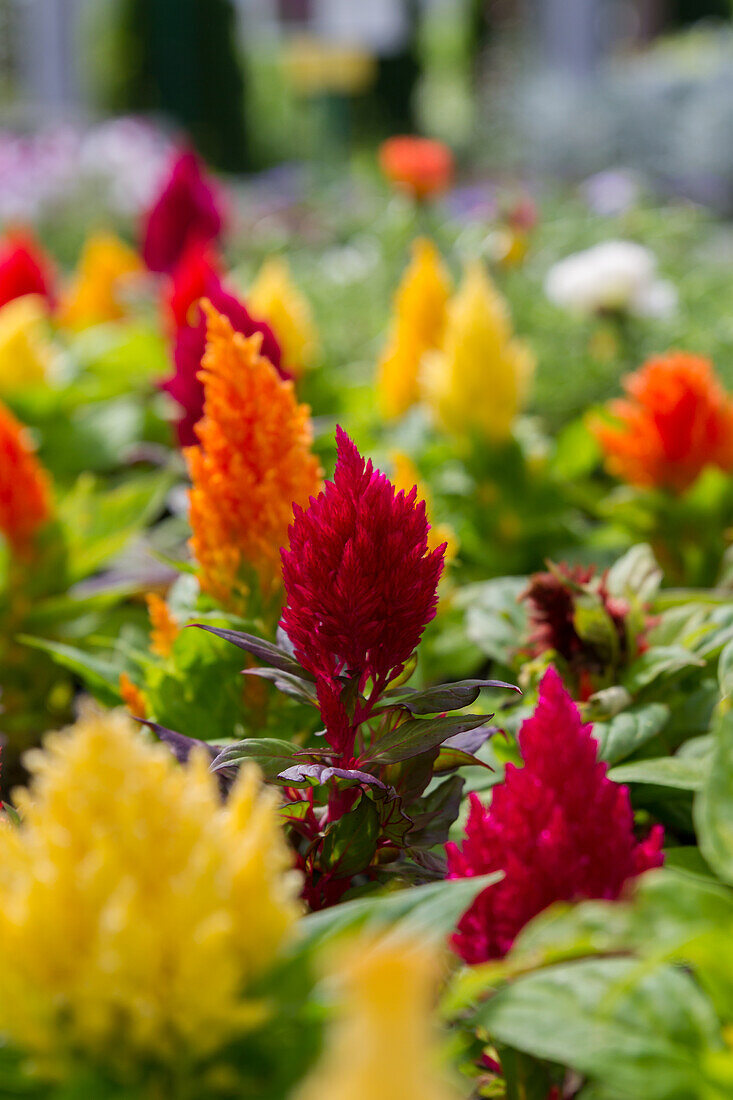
{"points": [[557, 827], [187, 209]]}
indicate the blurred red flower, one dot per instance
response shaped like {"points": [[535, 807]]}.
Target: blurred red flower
{"points": [[25, 491], [187, 209], [24, 269], [557, 827], [677, 420], [418, 165]]}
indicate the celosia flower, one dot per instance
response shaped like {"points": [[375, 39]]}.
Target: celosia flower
{"points": [[610, 277], [191, 278], [275, 298], [557, 827], [164, 628], [185, 386], [25, 491], [26, 354], [552, 598], [384, 1038], [478, 380], [404, 477], [417, 327], [95, 295], [132, 696], [361, 585], [24, 269], [253, 464], [135, 907], [676, 420], [186, 210], [417, 165]]}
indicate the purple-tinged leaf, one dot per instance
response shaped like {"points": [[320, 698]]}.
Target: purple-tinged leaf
{"points": [[446, 697], [315, 775], [417, 735], [449, 759], [264, 651], [435, 813], [471, 740], [268, 753], [286, 682], [180, 745]]}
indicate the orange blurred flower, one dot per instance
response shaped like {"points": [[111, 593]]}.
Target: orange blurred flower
{"points": [[132, 696], [164, 628], [254, 462], [418, 165], [25, 490], [677, 420]]}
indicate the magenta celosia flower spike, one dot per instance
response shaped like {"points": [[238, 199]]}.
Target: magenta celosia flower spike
{"points": [[361, 585], [186, 210], [557, 827]]}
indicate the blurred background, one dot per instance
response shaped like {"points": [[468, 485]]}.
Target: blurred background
{"points": [[563, 88]]}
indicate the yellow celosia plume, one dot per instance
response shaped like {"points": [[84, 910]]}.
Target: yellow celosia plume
{"points": [[135, 906], [26, 354], [383, 1043], [96, 292], [417, 327], [275, 298], [404, 477], [477, 382]]}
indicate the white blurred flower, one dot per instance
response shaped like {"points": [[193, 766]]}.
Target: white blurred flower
{"points": [[615, 275]]}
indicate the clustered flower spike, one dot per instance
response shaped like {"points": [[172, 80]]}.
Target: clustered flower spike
{"points": [[26, 354], [25, 490], [96, 293], [123, 861], [198, 278], [420, 166], [275, 298], [558, 828], [419, 314], [186, 210], [676, 421], [384, 1035], [253, 464], [478, 380], [24, 269], [361, 585]]}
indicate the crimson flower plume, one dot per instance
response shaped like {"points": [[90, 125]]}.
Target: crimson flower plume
{"points": [[186, 210]]}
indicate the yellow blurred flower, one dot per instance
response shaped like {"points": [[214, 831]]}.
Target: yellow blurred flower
{"points": [[419, 317], [95, 293], [134, 905], [275, 298], [404, 476], [315, 66], [478, 380], [26, 354], [383, 1043]]}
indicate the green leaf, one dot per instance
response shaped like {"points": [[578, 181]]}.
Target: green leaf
{"points": [[642, 1034], [682, 773], [725, 670], [524, 1077], [100, 674], [713, 809], [636, 573], [658, 661], [268, 753], [350, 843], [416, 735], [432, 911], [628, 731], [495, 619], [445, 697], [594, 625]]}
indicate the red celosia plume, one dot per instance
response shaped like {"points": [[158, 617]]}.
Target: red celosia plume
{"points": [[677, 420], [186, 210], [361, 585], [25, 492], [558, 828], [24, 269], [196, 278]]}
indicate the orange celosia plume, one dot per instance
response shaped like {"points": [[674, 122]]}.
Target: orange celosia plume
{"points": [[163, 627], [25, 490], [418, 165], [132, 696], [254, 462], [677, 420]]}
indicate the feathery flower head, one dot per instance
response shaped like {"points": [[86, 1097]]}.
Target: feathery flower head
{"points": [[164, 628], [275, 298], [384, 1037], [95, 295], [190, 282], [478, 380], [123, 861], [417, 327], [24, 269], [132, 696], [361, 585], [404, 476], [557, 827], [185, 386], [253, 464], [26, 354], [25, 490], [676, 420], [187, 209], [420, 166]]}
